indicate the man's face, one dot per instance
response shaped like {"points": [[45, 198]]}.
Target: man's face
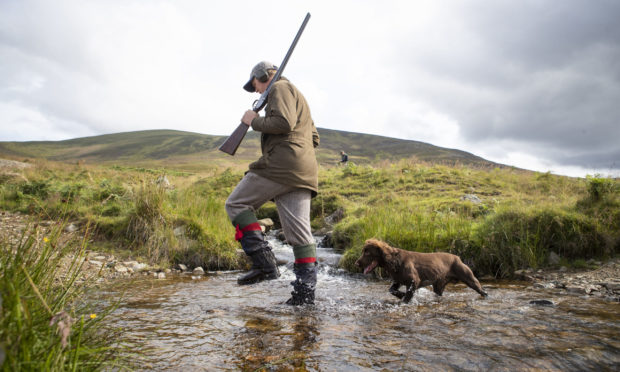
{"points": [[260, 87]]}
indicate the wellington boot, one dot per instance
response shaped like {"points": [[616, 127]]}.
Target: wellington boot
{"points": [[264, 267], [304, 284], [302, 295]]}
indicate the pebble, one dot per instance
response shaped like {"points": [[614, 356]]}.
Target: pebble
{"points": [[135, 265], [544, 285], [198, 271], [592, 288], [94, 263]]}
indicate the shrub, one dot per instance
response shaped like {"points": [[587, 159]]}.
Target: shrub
{"points": [[72, 191], [38, 189], [107, 190], [599, 188], [111, 210]]}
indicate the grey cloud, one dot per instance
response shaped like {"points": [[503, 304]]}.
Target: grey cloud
{"points": [[545, 34], [537, 72]]}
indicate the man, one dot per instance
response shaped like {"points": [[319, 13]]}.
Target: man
{"points": [[287, 172], [344, 158]]}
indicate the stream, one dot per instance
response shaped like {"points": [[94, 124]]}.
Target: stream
{"points": [[209, 323]]}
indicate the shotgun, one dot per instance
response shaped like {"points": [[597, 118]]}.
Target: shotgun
{"points": [[234, 140]]}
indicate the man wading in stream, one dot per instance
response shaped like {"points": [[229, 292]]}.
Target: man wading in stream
{"points": [[287, 172]]}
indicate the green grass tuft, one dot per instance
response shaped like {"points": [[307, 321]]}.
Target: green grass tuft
{"points": [[44, 323]]}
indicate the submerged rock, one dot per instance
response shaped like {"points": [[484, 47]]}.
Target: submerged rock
{"points": [[327, 240], [280, 236], [542, 303]]}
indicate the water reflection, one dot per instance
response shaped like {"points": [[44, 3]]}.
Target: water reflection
{"points": [[282, 342]]}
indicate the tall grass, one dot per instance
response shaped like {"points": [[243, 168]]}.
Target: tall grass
{"points": [[403, 224], [44, 325], [520, 219], [207, 230], [515, 239], [132, 212]]}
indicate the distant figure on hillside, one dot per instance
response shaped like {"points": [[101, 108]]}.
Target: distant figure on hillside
{"points": [[344, 158]]}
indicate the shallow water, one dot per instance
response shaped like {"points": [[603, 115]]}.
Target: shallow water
{"points": [[211, 323]]}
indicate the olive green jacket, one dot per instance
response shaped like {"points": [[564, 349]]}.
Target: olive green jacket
{"points": [[288, 139]]}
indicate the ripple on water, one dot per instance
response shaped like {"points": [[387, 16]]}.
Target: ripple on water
{"points": [[357, 325]]}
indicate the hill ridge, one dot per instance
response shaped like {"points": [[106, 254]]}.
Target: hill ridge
{"points": [[170, 145]]}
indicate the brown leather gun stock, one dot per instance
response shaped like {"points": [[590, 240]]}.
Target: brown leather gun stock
{"points": [[234, 140]]}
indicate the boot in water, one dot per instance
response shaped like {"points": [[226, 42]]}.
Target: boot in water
{"points": [[304, 284]]}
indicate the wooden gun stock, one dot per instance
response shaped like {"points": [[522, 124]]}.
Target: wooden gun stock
{"points": [[232, 143]]}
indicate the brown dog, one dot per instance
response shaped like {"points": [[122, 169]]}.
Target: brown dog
{"points": [[415, 270]]}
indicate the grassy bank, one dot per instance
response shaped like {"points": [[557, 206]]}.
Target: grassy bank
{"points": [[44, 325], [498, 220], [164, 216]]}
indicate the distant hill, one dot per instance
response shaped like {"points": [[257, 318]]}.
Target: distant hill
{"points": [[193, 150]]}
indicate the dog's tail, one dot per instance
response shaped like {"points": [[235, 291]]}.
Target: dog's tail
{"points": [[464, 274]]}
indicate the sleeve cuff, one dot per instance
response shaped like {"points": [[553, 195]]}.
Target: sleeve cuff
{"points": [[257, 123]]}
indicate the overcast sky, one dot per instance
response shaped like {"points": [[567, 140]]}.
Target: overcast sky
{"points": [[534, 84]]}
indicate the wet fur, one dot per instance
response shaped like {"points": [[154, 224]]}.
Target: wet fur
{"points": [[414, 270]]}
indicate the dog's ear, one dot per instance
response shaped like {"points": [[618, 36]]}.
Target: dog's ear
{"points": [[380, 247], [385, 249]]}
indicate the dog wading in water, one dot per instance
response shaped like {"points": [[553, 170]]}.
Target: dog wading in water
{"points": [[287, 173], [414, 270]]}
